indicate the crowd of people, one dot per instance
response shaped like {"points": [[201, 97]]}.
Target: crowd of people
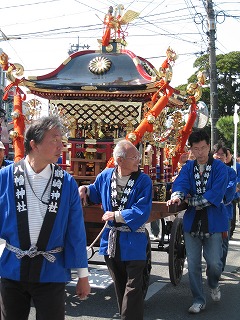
{"points": [[42, 223]]}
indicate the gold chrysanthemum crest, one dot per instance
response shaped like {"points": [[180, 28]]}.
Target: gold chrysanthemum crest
{"points": [[99, 65]]}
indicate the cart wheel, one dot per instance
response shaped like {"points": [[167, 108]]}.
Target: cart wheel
{"points": [[177, 252], [90, 252], [148, 267]]}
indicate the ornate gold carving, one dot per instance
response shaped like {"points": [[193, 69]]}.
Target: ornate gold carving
{"points": [[151, 118], [88, 88], [109, 48], [195, 90], [16, 69], [67, 60], [132, 137]]}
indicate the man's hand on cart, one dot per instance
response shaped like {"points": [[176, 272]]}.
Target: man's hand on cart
{"points": [[83, 194], [173, 201]]}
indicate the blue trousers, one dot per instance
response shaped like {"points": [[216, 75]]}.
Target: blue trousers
{"points": [[212, 251], [225, 246]]}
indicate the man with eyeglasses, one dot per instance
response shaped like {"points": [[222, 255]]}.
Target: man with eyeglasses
{"points": [[126, 197], [202, 184]]}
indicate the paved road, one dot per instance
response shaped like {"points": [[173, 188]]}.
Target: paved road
{"points": [[163, 301]]}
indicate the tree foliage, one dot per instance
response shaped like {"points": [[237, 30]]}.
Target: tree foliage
{"points": [[228, 75], [225, 126], [228, 78]]}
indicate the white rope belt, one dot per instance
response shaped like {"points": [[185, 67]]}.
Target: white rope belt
{"points": [[112, 237], [33, 252]]}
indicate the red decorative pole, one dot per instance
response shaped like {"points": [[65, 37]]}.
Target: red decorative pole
{"points": [[185, 133], [17, 135]]}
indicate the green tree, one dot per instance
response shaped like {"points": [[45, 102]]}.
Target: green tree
{"points": [[228, 71], [225, 126]]}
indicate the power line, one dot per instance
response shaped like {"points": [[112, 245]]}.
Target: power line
{"points": [[158, 20], [28, 4]]}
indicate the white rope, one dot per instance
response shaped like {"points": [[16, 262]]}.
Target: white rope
{"points": [[98, 236]]}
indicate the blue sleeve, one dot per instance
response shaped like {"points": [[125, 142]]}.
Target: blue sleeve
{"points": [[75, 240], [100, 187], [238, 172], [231, 187], [184, 181]]}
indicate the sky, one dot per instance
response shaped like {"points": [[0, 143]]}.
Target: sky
{"points": [[41, 32]]}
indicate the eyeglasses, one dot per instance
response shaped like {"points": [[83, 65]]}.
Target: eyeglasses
{"points": [[202, 149], [135, 158]]}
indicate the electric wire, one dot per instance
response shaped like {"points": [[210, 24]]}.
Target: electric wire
{"points": [[153, 22]]}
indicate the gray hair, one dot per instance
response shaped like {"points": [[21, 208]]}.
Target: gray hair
{"points": [[36, 131], [120, 150]]}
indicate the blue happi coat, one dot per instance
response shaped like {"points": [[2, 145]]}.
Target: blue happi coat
{"points": [[237, 194], [68, 232], [230, 192], [6, 163], [137, 211], [215, 190]]}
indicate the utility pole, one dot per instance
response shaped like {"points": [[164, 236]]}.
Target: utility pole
{"points": [[235, 121], [213, 72], [75, 47], [3, 37]]}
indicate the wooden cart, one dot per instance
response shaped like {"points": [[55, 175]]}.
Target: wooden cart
{"points": [[171, 240]]}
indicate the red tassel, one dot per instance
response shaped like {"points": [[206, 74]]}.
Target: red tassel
{"points": [[106, 37]]}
